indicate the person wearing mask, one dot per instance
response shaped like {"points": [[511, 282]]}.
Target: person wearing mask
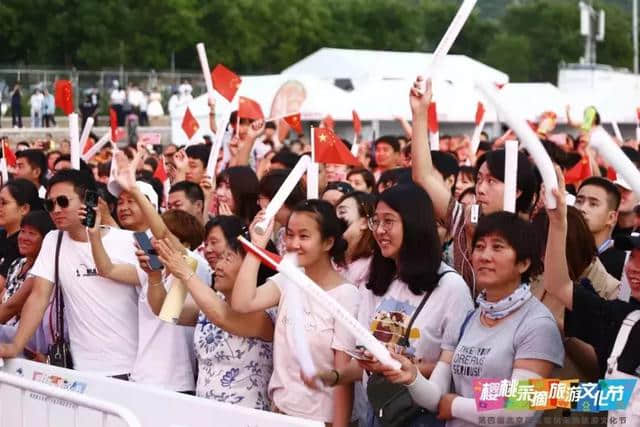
{"points": [[457, 218], [91, 301], [515, 334], [17, 198], [598, 200], [590, 317], [34, 226], [234, 350], [314, 235], [31, 164]]}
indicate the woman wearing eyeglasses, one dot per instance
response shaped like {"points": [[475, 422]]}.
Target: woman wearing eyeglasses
{"points": [[314, 235], [17, 199], [234, 350]]}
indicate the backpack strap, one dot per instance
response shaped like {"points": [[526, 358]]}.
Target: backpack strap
{"points": [[621, 340], [59, 302], [464, 324]]}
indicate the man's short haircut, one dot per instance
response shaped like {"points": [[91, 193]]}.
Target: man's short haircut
{"points": [[192, 191], [36, 159], [271, 183], [613, 194], [389, 140], [445, 163], [286, 158], [200, 152], [80, 179]]}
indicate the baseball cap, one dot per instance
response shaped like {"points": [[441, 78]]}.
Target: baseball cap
{"points": [[628, 242]]}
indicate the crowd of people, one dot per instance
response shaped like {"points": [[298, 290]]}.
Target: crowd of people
{"points": [[414, 244]]}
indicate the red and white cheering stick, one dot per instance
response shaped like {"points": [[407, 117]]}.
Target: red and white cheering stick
{"points": [[97, 146], [638, 124], [310, 288], [283, 192], [86, 131]]}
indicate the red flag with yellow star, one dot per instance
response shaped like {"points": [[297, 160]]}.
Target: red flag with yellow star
{"points": [[357, 124], [295, 121], [249, 109], [189, 124], [329, 148], [64, 96], [8, 154], [225, 81]]}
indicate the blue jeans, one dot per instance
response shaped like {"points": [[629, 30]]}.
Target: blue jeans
{"points": [[425, 420]]}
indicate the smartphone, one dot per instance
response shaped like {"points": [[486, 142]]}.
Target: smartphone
{"points": [[145, 244], [90, 201]]}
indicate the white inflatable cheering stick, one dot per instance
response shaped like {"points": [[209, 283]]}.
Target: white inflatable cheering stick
{"points": [[85, 132], [174, 301], [206, 71], [283, 192], [296, 276], [602, 142], [510, 175], [97, 146], [528, 139], [74, 138]]}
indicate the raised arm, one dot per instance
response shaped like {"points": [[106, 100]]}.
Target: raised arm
{"points": [[242, 157], [247, 297], [123, 273], [422, 170], [256, 324], [14, 304], [30, 317], [556, 272]]}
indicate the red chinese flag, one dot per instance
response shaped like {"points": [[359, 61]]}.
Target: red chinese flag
{"points": [[160, 173], [295, 121], [87, 145], [479, 113], [328, 123], [8, 154], [329, 148], [189, 124], [268, 258], [249, 109], [113, 122], [432, 118], [225, 81], [64, 96], [357, 124]]}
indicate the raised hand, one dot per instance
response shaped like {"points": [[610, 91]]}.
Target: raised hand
{"points": [[258, 239], [559, 214], [126, 175], [420, 96], [172, 258], [255, 130], [407, 373], [82, 213], [181, 161], [207, 186]]}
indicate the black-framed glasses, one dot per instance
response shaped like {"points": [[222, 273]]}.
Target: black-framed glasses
{"points": [[50, 204]]}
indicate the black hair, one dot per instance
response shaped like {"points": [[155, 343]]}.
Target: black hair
{"points": [[633, 155], [329, 224], [67, 157], [192, 191], [445, 163], [147, 176], [36, 159], [465, 193], [80, 179], [613, 194], [285, 157], [270, 125], [244, 188], [366, 174], [518, 233], [343, 187], [200, 152], [153, 162], [40, 220], [389, 140], [366, 203], [24, 192], [395, 176], [233, 226], [420, 255], [271, 183], [527, 181]]}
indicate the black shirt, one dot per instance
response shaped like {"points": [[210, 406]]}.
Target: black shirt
{"points": [[8, 251], [613, 260], [597, 321]]}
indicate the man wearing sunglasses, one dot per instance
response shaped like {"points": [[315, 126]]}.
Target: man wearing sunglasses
{"points": [[101, 314]]}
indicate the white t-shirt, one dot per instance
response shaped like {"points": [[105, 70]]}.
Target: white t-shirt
{"points": [[165, 351], [101, 314], [118, 96]]}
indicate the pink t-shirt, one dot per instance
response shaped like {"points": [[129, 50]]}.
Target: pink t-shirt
{"points": [[286, 389], [357, 272]]}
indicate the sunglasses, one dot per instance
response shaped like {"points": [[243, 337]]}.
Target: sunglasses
{"points": [[50, 204]]}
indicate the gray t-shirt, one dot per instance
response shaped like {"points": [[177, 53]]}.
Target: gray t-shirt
{"points": [[489, 352]]}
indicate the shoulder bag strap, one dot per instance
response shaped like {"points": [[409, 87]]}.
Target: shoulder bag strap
{"points": [[59, 305], [621, 340], [405, 339]]}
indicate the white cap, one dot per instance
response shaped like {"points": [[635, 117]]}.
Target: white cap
{"points": [[144, 187], [622, 183]]}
